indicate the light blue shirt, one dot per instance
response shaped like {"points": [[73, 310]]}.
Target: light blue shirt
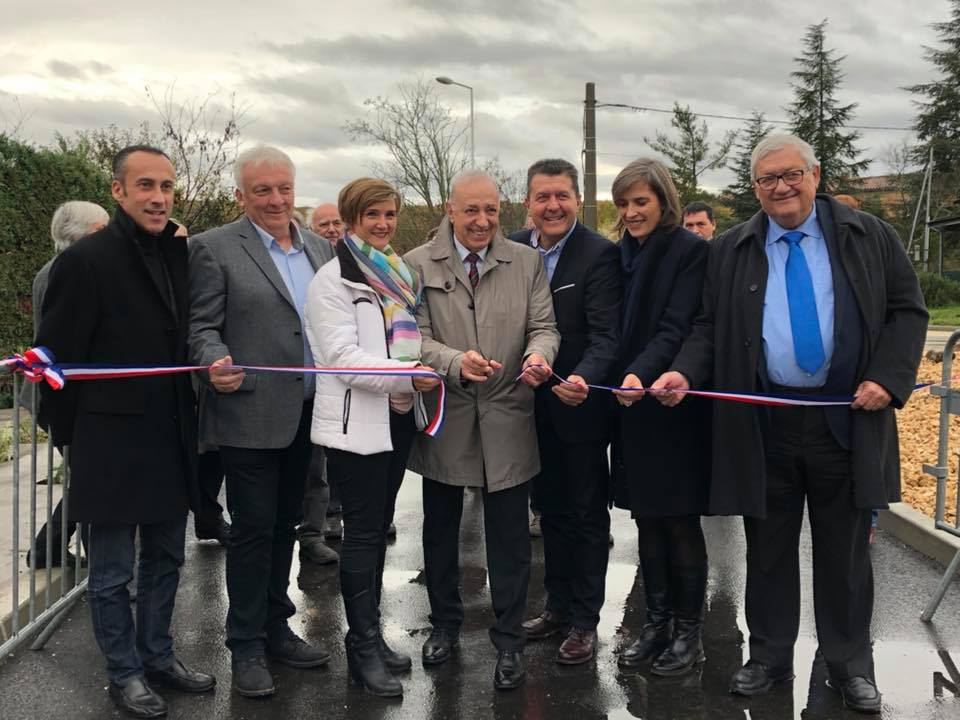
{"points": [[463, 252], [782, 365], [297, 272], [552, 256]]}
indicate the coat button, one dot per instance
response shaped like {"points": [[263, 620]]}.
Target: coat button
{"points": [[746, 343], [446, 285], [754, 287], [470, 306], [296, 333]]}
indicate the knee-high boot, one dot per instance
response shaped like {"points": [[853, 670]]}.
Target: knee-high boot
{"points": [[686, 649], [364, 659], [655, 635]]}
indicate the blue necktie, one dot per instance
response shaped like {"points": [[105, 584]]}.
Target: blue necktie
{"points": [[807, 343]]}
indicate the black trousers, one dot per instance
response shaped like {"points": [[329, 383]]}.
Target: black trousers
{"points": [[507, 540], [572, 490], [804, 461], [265, 500], [210, 479], [368, 492]]}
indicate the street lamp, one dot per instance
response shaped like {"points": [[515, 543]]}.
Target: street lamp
{"points": [[444, 80]]}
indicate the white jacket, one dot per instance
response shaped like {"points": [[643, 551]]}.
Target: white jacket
{"points": [[344, 323]]}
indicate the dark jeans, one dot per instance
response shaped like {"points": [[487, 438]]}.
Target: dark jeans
{"points": [[571, 491], [368, 491], [805, 462], [265, 500], [210, 479], [129, 649], [316, 498], [507, 540]]}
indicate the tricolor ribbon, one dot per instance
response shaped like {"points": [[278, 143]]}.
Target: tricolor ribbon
{"points": [[38, 364]]}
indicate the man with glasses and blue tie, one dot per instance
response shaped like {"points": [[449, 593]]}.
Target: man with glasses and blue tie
{"points": [[810, 299]]}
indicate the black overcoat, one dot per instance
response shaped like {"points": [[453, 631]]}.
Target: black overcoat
{"points": [[586, 290], [132, 441], [662, 455], [726, 346]]}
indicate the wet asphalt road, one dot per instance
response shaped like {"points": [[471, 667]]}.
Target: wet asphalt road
{"points": [[66, 680]]}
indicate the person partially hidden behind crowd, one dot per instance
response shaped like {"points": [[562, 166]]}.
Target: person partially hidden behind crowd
{"points": [[119, 296], [486, 318], [71, 221], [360, 312], [661, 459], [573, 425], [698, 219], [248, 286], [808, 297]]}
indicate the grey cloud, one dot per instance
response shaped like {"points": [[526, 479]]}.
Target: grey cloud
{"points": [[99, 68], [65, 70]]}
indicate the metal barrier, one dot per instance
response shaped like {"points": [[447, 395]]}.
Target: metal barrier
{"points": [[44, 611], [949, 405]]}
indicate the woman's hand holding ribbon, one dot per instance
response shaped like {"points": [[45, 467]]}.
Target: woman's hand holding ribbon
{"points": [[423, 384]]}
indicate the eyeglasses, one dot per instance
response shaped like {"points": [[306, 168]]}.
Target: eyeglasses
{"points": [[790, 178]]}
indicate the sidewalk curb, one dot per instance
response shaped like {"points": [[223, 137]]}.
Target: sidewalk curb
{"points": [[942, 328], [917, 530]]}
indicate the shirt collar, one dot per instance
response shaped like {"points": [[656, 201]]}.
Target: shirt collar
{"points": [[809, 227], [463, 252], [558, 247], [296, 238]]}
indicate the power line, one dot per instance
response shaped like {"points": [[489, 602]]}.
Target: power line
{"points": [[640, 108]]}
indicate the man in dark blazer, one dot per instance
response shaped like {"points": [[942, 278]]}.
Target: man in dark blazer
{"points": [[808, 297], [119, 297], [572, 424], [248, 283]]}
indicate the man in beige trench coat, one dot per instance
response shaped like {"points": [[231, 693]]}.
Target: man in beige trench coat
{"points": [[486, 317]]}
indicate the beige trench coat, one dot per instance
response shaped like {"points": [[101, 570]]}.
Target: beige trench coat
{"points": [[488, 431]]}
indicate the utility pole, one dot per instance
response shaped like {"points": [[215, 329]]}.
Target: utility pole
{"points": [[590, 158], [926, 225]]}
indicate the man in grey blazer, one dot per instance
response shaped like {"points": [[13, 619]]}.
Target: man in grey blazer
{"points": [[248, 283]]}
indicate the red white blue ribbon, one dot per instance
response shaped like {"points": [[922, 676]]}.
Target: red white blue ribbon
{"points": [[38, 364]]}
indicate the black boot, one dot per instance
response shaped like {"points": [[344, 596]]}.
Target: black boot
{"points": [[396, 662], [364, 659], [655, 636], [686, 650]]}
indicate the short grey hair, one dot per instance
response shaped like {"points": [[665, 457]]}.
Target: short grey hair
{"points": [[258, 155], [466, 176], [72, 220], [772, 143]]}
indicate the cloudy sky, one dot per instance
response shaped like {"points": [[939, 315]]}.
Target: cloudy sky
{"points": [[303, 69]]}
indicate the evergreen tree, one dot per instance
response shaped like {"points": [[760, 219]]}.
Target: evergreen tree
{"points": [[741, 199], [690, 154], [819, 118], [938, 114]]}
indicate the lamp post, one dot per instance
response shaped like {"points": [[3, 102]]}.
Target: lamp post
{"points": [[444, 80]]}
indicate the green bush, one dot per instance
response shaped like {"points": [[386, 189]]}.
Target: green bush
{"points": [[938, 291]]}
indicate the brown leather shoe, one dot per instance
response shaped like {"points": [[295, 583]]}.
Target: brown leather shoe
{"points": [[544, 625], [579, 647]]}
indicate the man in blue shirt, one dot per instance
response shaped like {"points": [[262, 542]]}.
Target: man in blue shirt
{"points": [[808, 297]]}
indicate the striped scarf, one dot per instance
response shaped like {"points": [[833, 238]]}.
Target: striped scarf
{"points": [[399, 289]]}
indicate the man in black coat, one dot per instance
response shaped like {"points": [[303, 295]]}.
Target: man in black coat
{"points": [[829, 296], [119, 297], [572, 424]]}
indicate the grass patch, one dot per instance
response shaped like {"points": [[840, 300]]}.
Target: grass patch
{"points": [[945, 315]]}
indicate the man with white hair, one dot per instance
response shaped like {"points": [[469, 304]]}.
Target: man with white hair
{"points": [[486, 319], [325, 221], [807, 298], [71, 221], [248, 284]]}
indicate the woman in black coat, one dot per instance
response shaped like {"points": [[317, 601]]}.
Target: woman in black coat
{"points": [[661, 458]]}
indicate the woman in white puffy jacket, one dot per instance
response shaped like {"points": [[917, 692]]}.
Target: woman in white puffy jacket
{"points": [[360, 312]]}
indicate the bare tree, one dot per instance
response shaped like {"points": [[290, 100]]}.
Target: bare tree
{"points": [[425, 142], [12, 122]]}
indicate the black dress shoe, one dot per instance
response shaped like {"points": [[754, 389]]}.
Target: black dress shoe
{"points": [[544, 625], [251, 677], [178, 677], [439, 646], [510, 672], [138, 699], [858, 693], [218, 530], [291, 650], [755, 678]]}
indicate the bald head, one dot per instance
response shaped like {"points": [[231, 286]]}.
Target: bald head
{"points": [[325, 221], [474, 209]]}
